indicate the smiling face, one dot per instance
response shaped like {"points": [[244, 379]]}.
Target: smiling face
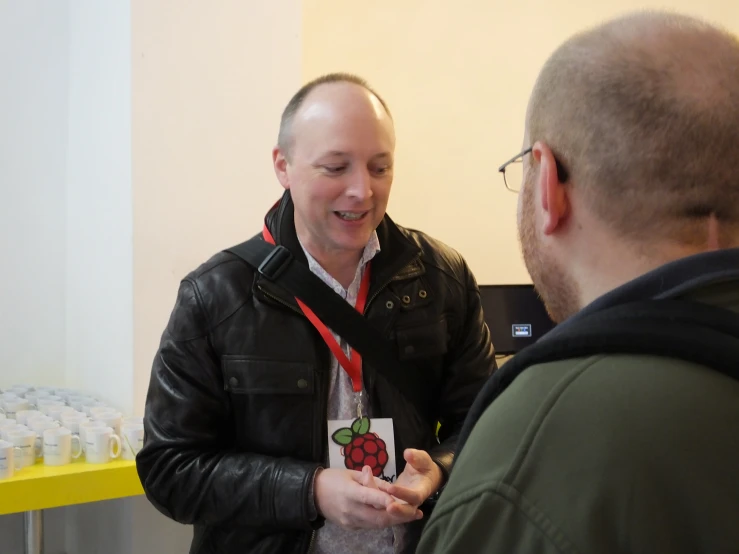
{"points": [[339, 168]]}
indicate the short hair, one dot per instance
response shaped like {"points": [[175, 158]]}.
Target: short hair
{"points": [[284, 137], [643, 113]]}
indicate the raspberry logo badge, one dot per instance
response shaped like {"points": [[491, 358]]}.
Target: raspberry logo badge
{"points": [[361, 448]]}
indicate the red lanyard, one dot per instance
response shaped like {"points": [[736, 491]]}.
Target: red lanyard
{"points": [[353, 365]]}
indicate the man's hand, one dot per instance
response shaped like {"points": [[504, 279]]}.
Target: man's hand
{"points": [[353, 500], [420, 479]]}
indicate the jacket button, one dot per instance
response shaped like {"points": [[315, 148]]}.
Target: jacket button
{"points": [[422, 293], [389, 304], [406, 299], [302, 383], [233, 381]]}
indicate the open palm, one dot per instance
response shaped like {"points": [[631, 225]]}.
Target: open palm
{"points": [[420, 479]]}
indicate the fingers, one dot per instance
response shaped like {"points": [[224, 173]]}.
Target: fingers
{"points": [[368, 480], [372, 497], [407, 512], [411, 496], [384, 486], [365, 517]]}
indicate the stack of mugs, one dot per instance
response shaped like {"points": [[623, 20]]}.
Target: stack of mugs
{"points": [[56, 426]]}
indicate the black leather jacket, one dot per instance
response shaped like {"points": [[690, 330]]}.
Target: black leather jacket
{"points": [[236, 409]]}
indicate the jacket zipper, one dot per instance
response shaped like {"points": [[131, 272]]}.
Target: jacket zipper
{"points": [[312, 541]]}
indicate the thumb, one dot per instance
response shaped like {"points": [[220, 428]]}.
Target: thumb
{"points": [[418, 459], [368, 480]]}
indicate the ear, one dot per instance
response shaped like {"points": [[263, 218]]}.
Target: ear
{"points": [[279, 161], [555, 203]]}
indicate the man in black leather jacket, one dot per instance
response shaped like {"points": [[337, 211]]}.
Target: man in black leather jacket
{"points": [[243, 383]]}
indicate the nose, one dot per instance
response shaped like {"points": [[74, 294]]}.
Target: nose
{"points": [[360, 185]]}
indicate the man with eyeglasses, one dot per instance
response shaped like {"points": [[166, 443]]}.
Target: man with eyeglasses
{"points": [[617, 431]]}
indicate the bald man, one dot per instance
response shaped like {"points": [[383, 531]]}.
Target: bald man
{"points": [[613, 434], [264, 428]]}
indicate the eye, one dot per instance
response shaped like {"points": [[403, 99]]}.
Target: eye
{"points": [[334, 169], [382, 170]]}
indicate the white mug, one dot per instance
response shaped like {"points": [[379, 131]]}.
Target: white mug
{"points": [[45, 405], [55, 412], [50, 398], [59, 447], [64, 393], [101, 445], [8, 453], [111, 419], [87, 406], [38, 418], [93, 411], [39, 427], [25, 439], [9, 429], [13, 405], [33, 397], [84, 426], [72, 421], [78, 399], [7, 423], [132, 438], [133, 419], [22, 416]]}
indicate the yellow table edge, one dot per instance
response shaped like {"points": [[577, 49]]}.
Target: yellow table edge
{"points": [[39, 487]]}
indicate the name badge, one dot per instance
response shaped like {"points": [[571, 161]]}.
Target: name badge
{"points": [[361, 442]]}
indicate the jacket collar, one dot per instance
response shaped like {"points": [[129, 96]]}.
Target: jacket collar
{"points": [[397, 259], [671, 280]]}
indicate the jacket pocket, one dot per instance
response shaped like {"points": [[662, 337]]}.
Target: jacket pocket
{"points": [[425, 340], [243, 375], [273, 404]]}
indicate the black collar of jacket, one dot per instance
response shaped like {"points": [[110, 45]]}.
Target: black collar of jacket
{"points": [[671, 280], [398, 258]]}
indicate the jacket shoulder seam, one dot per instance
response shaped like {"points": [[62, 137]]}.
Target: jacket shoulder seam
{"points": [[210, 325]]}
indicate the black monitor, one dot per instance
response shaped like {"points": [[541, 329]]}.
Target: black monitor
{"points": [[515, 315]]}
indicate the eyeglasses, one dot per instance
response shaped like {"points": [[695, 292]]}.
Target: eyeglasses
{"points": [[512, 171]]}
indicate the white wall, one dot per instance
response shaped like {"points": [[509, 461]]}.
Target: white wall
{"points": [[457, 76], [95, 192], [33, 136], [34, 37], [99, 291], [209, 84]]}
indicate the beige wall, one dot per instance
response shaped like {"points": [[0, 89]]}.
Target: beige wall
{"points": [[457, 76], [208, 85]]}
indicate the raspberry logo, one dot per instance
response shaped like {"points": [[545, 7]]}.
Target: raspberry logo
{"points": [[361, 448]]}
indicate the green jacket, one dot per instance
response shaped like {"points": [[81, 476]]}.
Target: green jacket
{"points": [[605, 454]]}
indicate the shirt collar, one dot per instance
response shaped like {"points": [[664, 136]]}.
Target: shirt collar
{"points": [[371, 249]]}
